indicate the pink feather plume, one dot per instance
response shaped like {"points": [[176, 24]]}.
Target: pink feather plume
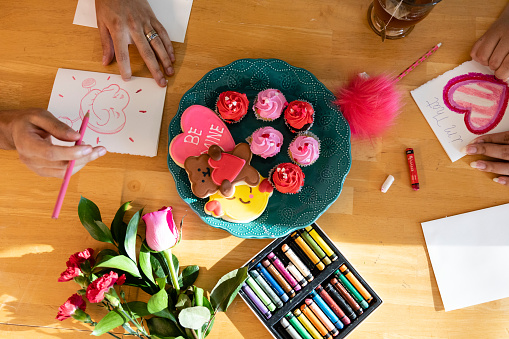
{"points": [[369, 104]]}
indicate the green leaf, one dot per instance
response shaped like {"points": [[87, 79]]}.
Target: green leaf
{"points": [[183, 302], [157, 267], [175, 263], [88, 213], [166, 314], [194, 317], [118, 226], [121, 262], [114, 319], [189, 276], [161, 282], [163, 327], [158, 301], [226, 289], [130, 235], [145, 264]]}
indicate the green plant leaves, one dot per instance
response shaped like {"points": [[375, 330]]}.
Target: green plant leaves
{"points": [[121, 262], [145, 264], [118, 226], [114, 319], [189, 276], [163, 327], [90, 217], [194, 317], [226, 289], [158, 301], [130, 235]]}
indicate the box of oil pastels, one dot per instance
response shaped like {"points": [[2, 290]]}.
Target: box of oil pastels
{"points": [[301, 286]]}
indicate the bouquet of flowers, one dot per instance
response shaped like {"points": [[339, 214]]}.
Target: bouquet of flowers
{"points": [[176, 308]]}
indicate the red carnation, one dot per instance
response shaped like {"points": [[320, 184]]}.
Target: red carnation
{"points": [[74, 264], [97, 289], [70, 306]]}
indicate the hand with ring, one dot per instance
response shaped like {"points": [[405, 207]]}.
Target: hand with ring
{"points": [[118, 20]]}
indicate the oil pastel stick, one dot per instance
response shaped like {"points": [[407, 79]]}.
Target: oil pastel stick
{"points": [[289, 329], [307, 324], [296, 274], [297, 262], [281, 268], [333, 305], [342, 303], [308, 251], [266, 288], [349, 299], [414, 179], [256, 301], [314, 246], [319, 240], [298, 326], [322, 317], [327, 310], [279, 278], [356, 283], [351, 289], [261, 294], [315, 321], [272, 282]]}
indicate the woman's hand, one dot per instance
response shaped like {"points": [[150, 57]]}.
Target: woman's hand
{"points": [[29, 132], [492, 49], [495, 146], [118, 20]]}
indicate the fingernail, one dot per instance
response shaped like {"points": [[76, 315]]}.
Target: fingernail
{"points": [[170, 71], [163, 82], [102, 152], [480, 141], [86, 151], [501, 181], [478, 165], [469, 149]]}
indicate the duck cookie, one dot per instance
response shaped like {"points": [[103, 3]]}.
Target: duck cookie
{"points": [[201, 128], [220, 171], [246, 204]]}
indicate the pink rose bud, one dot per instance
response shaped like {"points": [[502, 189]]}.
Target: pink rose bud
{"points": [[161, 232], [68, 308]]}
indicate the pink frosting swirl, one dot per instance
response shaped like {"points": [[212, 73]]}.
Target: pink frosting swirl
{"points": [[266, 142], [304, 150], [269, 104]]}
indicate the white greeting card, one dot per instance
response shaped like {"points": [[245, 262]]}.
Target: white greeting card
{"points": [[462, 104], [172, 14], [469, 254], [125, 116]]}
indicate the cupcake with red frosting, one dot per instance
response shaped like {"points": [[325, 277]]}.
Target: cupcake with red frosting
{"points": [[269, 104], [299, 116], [287, 178], [232, 106], [304, 149], [265, 142]]}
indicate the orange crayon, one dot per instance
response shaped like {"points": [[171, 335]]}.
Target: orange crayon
{"points": [[308, 251], [356, 283], [307, 324], [279, 278], [322, 317], [314, 320]]}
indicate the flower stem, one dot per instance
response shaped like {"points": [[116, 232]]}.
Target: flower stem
{"points": [[138, 326], [173, 274]]}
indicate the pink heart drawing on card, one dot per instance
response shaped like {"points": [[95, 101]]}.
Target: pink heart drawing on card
{"points": [[482, 98], [201, 128]]}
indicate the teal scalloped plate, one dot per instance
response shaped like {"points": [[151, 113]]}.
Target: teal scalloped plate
{"points": [[324, 179]]}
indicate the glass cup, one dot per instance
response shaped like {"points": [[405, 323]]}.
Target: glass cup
{"points": [[395, 19]]}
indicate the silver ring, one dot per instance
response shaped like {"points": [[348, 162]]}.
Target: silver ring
{"points": [[151, 35]]}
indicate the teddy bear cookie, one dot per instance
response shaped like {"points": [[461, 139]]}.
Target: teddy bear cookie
{"points": [[247, 203], [220, 171]]}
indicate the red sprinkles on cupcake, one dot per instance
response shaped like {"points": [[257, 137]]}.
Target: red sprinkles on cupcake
{"points": [[299, 116], [232, 106], [287, 178]]}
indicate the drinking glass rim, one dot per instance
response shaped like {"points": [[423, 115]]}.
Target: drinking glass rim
{"points": [[432, 3]]}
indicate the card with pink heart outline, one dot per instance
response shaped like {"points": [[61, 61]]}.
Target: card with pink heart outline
{"points": [[462, 104], [125, 117]]}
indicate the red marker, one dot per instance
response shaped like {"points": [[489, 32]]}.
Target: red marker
{"points": [[413, 169]]}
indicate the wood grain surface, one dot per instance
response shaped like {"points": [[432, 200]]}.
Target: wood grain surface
{"points": [[379, 233]]}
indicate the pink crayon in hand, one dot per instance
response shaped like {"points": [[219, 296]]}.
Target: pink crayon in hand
{"points": [[281, 268]]}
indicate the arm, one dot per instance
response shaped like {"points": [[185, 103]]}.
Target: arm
{"points": [[492, 49], [119, 19], [29, 133], [495, 146]]}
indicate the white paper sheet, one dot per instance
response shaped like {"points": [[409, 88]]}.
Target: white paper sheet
{"points": [[470, 256], [172, 14], [125, 116], [449, 126]]}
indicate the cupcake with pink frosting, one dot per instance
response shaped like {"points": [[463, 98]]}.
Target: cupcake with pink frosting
{"points": [[269, 104], [265, 142], [304, 149]]}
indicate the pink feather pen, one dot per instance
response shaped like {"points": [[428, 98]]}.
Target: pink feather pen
{"points": [[68, 172], [370, 104]]}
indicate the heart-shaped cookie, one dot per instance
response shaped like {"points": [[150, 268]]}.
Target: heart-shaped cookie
{"points": [[201, 128], [227, 168], [482, 98]]}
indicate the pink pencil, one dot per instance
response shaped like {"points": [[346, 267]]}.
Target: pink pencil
{"points": [[418, 62], [68, 172]]}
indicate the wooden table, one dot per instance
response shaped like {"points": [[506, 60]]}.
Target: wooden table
{"points": [[379, 233]]}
